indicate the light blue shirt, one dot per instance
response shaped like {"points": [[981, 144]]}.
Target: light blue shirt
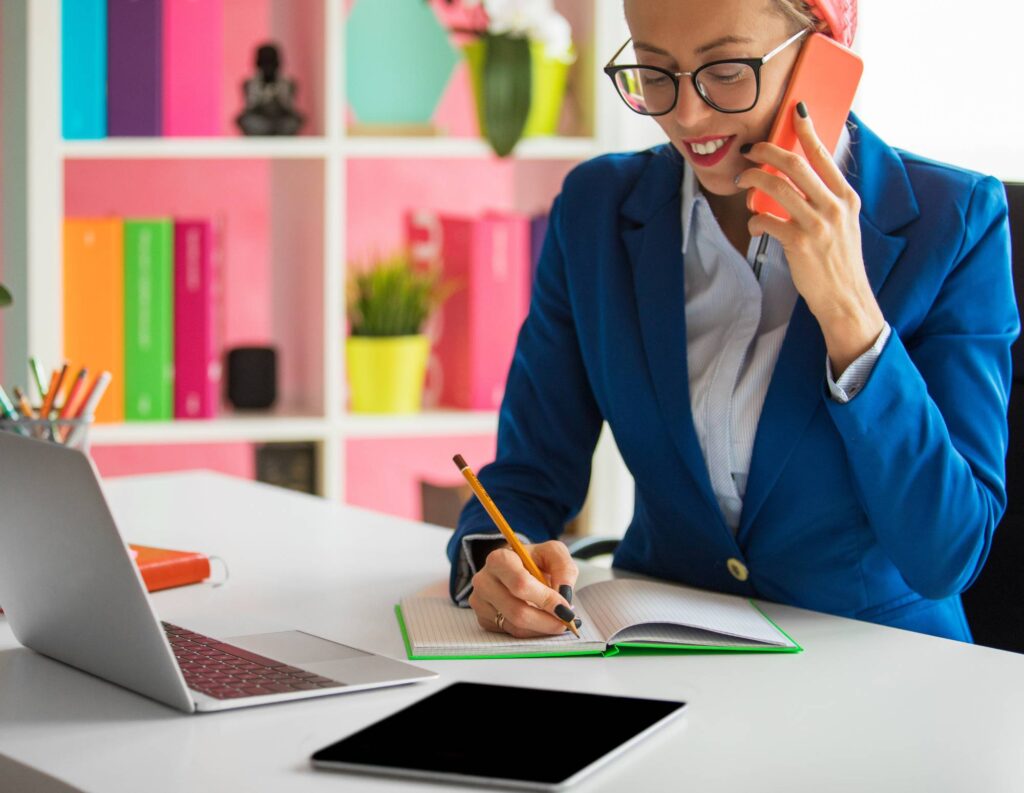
{"points": [[735, 326]]}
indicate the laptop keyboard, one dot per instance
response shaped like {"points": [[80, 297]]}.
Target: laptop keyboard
{"points": [[223, 671]]}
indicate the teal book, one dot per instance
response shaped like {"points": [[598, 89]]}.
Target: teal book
{"points": [[618, 616], [149, 319], [83, 69]]}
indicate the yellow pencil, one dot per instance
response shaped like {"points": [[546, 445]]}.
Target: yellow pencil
{"points": [[23, 404], [506, 530]]}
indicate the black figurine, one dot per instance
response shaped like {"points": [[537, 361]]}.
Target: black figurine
{"points": [[269, 98]]}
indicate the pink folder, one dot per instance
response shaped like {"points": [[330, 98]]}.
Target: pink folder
{"points": [[476, 328], [193, 67], [197, 368]]}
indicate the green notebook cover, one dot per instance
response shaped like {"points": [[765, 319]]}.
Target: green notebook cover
{"points": [[149, 319], [457, 622]]}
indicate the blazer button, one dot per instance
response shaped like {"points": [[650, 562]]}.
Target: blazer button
{"points": [[738, 569]]}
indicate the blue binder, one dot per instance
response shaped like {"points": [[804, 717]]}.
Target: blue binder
{"points": [[84, 69]]}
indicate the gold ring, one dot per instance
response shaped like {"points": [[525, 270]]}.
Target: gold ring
{"points": [[499, 620]]}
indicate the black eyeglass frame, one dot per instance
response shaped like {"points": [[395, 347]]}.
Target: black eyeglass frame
{"points": [[754, 63]]}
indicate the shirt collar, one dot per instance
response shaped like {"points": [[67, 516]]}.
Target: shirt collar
{"points": [[692, 196]]}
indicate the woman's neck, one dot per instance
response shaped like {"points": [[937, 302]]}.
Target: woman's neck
{"points": [[732, 215]]}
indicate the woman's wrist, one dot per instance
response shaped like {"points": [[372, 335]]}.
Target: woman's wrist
{"points": [[849, 333]]}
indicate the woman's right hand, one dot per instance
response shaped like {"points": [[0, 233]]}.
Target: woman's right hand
{"points": [[506, 598]]}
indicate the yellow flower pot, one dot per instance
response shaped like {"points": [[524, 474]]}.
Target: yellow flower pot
{"points": [[386, 373], [548, 77]]}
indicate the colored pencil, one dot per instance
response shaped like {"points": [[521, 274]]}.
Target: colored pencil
{"points": [[51, 394], [74, 395], [56, 389], [37, 375], [23, 405], [6, 406], [88, 407]]}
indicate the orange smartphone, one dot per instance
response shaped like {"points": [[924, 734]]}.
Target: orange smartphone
{"points": [[825, 79]]}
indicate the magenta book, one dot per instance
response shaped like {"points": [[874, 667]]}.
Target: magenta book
{"points": [[193, 67], [475, 335], [197, 369]]}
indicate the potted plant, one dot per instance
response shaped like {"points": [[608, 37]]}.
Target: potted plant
{"points": [[5, 297], [519, 63], [386, 352]]}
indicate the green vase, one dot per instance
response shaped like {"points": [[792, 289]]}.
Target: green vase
{"points": [[548, 78]]}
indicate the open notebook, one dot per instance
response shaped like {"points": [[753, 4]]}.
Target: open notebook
{"points": [[616, 614]]}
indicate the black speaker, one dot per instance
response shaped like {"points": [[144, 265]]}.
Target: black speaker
{"points": [[252, 377]]}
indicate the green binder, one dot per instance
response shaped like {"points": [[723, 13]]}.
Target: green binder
{"points": [[149, 319], [623, 615]]}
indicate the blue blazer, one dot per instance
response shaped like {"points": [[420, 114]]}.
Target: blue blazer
{"points": [[881, 509]]}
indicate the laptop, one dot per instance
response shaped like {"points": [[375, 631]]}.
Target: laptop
{"points": [[71, 591]]}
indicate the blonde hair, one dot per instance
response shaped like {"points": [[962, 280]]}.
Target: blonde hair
{"points": [[800, 14]]}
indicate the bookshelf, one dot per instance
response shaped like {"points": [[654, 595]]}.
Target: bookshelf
{"points": [[306, 213]]}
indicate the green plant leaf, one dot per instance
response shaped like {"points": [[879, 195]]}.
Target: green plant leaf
{"points": [[5, 297], [393, 298], [506, 90]]}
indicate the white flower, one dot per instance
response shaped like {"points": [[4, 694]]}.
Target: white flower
{"points": [[537, 20], [516, 16], [556, 35]]}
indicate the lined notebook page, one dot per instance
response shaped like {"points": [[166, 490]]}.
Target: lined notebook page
{"points": [[438, 627], [681, 635], [625, 603]]}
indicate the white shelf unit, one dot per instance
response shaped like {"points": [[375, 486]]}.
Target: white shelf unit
{"points": [[314, 147], [35, 157]]}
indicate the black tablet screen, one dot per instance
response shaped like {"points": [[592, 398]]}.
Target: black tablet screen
{"points": [[499, 732]]}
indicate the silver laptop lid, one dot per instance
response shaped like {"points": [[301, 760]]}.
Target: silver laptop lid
{"points": [[67, 581]]}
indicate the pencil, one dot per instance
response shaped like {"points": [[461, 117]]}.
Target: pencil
{"points": [[23, 405], [51, 394], [506, 530], [74, 394], [88, 408], [56, 389], [37, 375], [6, 406]]}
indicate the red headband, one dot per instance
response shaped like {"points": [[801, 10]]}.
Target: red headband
{"points": [[840, 15]]}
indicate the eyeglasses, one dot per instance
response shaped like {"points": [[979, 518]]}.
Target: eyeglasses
{"points": [[731, 86]]}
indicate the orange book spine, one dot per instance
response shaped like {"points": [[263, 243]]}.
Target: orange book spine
{"points": [[162, 568], [94, 304]]}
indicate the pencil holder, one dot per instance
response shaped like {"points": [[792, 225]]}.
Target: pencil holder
{"points": [[67, 432]]}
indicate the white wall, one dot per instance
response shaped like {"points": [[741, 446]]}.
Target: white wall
{"points": [[942, 78], [945, 79]]}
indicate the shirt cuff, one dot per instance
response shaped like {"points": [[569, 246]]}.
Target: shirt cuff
{"points": [[472, 557], [857, 373]]}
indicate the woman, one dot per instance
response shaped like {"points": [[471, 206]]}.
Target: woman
{"points": [[828, 433]]}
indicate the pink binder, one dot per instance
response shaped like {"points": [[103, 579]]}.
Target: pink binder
{"points": [[476, 328], [197, 368], [193, 67]]}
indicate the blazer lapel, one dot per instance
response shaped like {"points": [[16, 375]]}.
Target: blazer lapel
{"points": [[653, 239], [887, 203]]}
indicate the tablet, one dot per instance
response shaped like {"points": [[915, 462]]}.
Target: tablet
{"points": [[438, 738]]}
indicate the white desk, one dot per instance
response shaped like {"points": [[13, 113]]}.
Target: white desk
{"points": [[862, 708]]}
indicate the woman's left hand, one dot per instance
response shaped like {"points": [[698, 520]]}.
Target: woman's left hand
{"points": [[821, 240]]}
